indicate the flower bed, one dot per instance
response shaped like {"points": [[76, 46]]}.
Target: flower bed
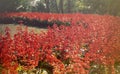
{"points": [[64, 49]]}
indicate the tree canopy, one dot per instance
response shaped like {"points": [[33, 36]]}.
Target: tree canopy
{"points": [[111, 7]]}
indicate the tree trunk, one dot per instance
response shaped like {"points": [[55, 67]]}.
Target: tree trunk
{"points": [[47, 5], [69, 6], [61, 6], [56, 6]]}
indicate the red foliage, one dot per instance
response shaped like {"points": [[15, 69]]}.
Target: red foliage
{"points": [[22, 50], [69, 49]]}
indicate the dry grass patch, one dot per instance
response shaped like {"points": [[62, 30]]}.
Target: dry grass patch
{"points": [[13, 28]]}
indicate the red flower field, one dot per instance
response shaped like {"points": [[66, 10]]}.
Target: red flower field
{"points": [[62, 49]]}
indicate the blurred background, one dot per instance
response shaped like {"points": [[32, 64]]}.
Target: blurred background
{"points": [[111, 7]]}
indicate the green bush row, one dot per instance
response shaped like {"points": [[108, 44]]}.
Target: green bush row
{"points": [[31, 22]]}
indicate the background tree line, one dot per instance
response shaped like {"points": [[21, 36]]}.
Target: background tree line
{"points": [[111, 7]]}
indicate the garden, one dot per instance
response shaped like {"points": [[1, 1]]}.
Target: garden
{"points": [[71, 45], [59, 43]]}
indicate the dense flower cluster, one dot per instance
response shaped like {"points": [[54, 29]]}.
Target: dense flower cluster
{"points": [[65, 49], [22, 50], [48, 19], [39, 16]]}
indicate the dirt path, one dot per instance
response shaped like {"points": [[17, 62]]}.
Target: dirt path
{"points": [[13, 28]]}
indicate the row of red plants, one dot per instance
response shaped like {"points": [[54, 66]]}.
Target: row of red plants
{"points": [[36, 19], [65, 49], [40, 16], [47, 19]]}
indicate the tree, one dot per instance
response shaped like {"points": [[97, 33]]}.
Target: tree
{"points": [[40, 7], [47, 2], [69, 6], [111, 7], [8, 5], [54, 6], [23, 5], [61, 6]]}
